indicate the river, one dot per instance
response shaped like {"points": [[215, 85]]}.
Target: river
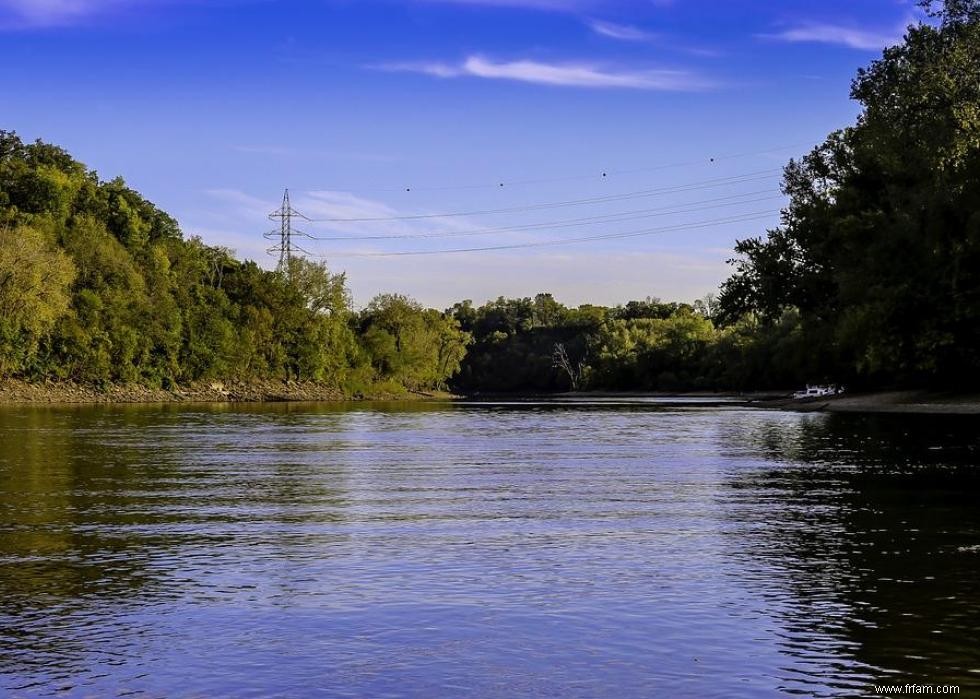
{"points": [[575, 549]]}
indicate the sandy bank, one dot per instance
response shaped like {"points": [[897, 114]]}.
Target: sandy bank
{"points": [[923, 402]]}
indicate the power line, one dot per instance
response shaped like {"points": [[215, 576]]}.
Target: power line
{"points": [[597, 175], [692, 186], [753, 216], [620, 217]]}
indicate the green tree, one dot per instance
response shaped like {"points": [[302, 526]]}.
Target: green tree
{"points": [[879, 248], [415, 347], [35, 281]]}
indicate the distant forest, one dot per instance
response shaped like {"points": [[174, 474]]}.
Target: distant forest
{"points": [[872, 279]]}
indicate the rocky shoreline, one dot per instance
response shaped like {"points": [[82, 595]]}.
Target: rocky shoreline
{"points": [[14, 391]]}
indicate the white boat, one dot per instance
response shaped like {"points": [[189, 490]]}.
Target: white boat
{"points": [[818, 392]]}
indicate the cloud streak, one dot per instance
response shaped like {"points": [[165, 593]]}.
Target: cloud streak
{"points": [[840, 35], [573, 6], [621, 32], [18, 15], [370, 218], [52, 13], [47, 14], [581, 75], [599, 276]]}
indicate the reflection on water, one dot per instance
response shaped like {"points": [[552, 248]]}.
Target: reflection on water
{"points": [[581, 549]]}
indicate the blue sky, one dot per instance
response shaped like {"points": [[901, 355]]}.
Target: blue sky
{"points": [[655, 129]]}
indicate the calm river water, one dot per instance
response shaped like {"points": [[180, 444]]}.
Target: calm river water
{"points": [[590, 549]]}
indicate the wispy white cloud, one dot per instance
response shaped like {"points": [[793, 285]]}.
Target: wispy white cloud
{"points": [[551, 5], [245, 205], [44, 14], [373, 217], [596, 273], [629, 32], [16, 14], [622, 32], [864, 39], [586, 75], [334, 213]]}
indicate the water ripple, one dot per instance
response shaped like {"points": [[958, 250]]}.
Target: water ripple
{"points": [[581, 549]]}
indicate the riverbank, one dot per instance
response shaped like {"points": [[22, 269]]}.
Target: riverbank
{"points": [[23, 392], [14, 391], [921, 402]]}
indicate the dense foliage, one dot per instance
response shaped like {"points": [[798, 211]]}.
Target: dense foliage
{"points": [[879, 249], [99, 286], [642, 346]]}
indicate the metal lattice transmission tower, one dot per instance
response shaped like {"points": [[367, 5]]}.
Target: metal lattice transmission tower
{"points": [[286, 247]]}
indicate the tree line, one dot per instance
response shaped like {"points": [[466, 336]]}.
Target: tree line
{"points": [[539, 345], [99, 286], [872, 277]]}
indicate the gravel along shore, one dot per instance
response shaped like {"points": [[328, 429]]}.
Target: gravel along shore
{"points": [[12, 391]]}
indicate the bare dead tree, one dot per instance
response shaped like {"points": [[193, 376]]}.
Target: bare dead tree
{"points": [[561, 360]]}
